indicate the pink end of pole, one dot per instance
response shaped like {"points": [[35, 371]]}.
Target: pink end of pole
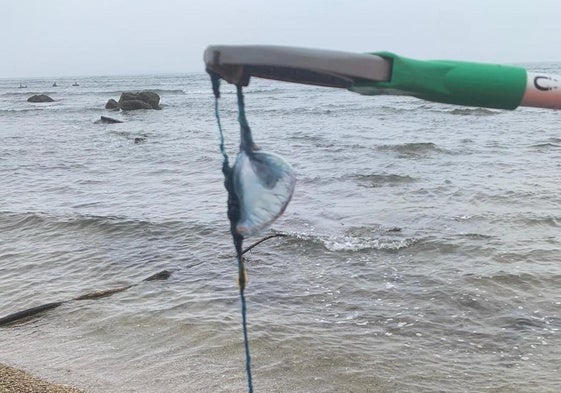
{"points": [[542, 91]]}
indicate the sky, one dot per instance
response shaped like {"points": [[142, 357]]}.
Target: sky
{"points": [[116, 37]]}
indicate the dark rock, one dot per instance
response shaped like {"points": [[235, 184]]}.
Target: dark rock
{"points": [[129, 105], [139, 100], [107, 120], [150, 97], [139, 139], [163, 275], [40, 98], [112, 104]]}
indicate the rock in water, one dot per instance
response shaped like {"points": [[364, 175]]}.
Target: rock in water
{"points": [[139, 100], [40, 98], [129, 105], [150, 97], [112, 104], [107, 120]]}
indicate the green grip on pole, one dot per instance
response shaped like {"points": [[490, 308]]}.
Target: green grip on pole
{"points": [[451, 82]]}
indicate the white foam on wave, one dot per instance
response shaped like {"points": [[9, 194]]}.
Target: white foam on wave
{"points": [[348, 243]]}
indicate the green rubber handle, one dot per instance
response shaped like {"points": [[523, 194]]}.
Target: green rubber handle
{"points": [[451, 82]]}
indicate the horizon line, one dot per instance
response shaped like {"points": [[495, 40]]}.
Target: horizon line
{"points": [[71, 76]]}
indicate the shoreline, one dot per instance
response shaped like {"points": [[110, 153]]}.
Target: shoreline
{"points": [[13, 380]]}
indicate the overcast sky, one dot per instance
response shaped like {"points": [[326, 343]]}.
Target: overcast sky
{"points": [[100, 37]]}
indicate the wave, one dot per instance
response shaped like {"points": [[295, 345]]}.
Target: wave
{"points": [[117, 93], [548, 143], [47, 223], [388, 109], [414, 149], [169, 91], [384, 180], [293, 111], [347, 243], [54, 109], [26, 93], [476, 236], [525, 322], [513, 282], [343, 243], [445, 109], [23, 110], [549, 221], [454, 245], [473, 112], [136, 137], [265, 90]]}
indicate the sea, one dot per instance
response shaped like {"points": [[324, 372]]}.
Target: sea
{"points": [[421, 251]]}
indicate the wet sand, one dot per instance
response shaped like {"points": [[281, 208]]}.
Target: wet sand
{"points": [[13, 380]]}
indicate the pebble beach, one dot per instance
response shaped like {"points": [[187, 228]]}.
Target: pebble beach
{"points": [[13, 380]]}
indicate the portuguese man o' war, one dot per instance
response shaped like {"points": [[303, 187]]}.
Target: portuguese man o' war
{"points": [[263, 182], [260, 186]]}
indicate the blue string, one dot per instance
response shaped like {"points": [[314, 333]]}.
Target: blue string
{"points": [[246, 343], [217, 115], [237, 238]]}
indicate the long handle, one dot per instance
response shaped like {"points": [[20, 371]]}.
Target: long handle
{"points": [[466, 83], [453, 82]]}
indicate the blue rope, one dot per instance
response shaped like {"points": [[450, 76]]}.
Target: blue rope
{"points": [[217, 115], [238, 240], [246, 342]]}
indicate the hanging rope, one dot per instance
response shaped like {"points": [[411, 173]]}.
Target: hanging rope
{"points": [[216, 89], [234, 216]]}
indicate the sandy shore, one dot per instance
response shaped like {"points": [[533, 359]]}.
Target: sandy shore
{"points": [[16, 381]]}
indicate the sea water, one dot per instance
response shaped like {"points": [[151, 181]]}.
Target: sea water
{"points": [[423, 247]]}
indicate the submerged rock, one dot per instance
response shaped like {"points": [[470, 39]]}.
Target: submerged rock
{"points": [[40, 98], [107, 120]]}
